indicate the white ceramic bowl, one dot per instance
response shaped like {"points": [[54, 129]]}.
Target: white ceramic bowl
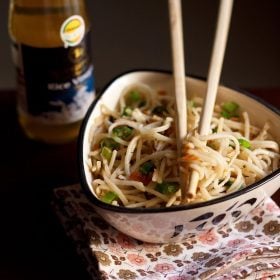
{"points": [[176, 223]]}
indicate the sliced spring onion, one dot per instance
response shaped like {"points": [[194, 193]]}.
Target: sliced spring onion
{"points": [[147, 168], [167, 188], [135, 99], [134, 96], [228, 184], [244, 143], [109, 197], [225, 114], [123, 131], [127, 111], [229, 110], [191, 104], [230, 107], [109, 143], [106, 153]]}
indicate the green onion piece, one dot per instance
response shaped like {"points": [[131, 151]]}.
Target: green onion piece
{"points": [[109, 197], [229, 110], [147, 168], [109, 143], [191, 104], [135, 99], [123, 131], [244, 143], [228, 184], [106, 153], [230, 107], [226, 114], [127, 111], [167, 188], [159, 110], [134, 96]]}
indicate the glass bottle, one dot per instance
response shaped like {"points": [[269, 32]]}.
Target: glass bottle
{"points": [[51, 52]]}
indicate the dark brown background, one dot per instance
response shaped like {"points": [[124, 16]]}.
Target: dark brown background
{"points": [[130, 34]]}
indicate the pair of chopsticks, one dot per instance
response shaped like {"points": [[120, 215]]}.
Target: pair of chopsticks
{"points": [[215, 68]]}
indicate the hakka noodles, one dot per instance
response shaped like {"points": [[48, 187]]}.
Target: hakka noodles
{"points": [[133, 157]]}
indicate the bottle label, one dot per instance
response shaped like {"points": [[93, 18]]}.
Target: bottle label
{"points": [[72, 31], [56, 85]]}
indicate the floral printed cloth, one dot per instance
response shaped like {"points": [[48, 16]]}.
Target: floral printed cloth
{"points": [[247, 249]]}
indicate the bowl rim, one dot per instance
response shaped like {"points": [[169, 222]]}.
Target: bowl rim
{"points": [[122, 209]]}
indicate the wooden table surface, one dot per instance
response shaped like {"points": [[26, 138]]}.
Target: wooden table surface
{"points": [[34, 245]]}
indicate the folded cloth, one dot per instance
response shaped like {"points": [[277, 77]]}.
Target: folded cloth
{"points": [[247, 249]]}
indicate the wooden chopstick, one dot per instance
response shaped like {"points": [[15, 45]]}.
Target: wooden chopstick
{"points": [[176, 27], [214, 74], [175, 16]]}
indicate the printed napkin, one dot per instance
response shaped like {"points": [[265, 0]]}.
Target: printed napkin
{"points": [[247, 249]]}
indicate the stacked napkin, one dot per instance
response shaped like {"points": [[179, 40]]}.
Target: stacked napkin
{"points": [[247, 249]]}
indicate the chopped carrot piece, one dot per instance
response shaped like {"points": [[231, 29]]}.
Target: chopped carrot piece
{"points": [[137, 176]]}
